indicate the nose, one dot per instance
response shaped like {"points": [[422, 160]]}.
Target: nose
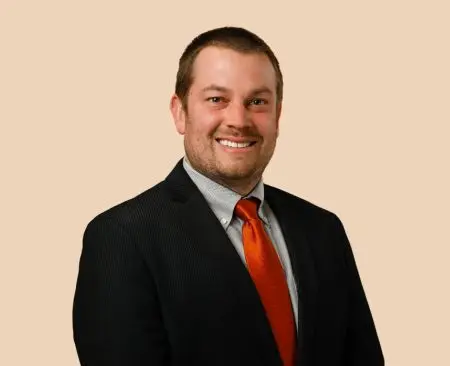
{"points": [[237, 116]]}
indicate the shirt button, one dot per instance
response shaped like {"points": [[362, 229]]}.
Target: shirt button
{"points": [[223, 220]]}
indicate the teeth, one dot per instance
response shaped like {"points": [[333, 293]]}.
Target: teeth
{"points": [[234, 144]]}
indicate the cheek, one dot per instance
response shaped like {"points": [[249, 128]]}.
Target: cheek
{"points": [[266, 124], [204, 122]]}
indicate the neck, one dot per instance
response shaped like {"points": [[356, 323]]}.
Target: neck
{"points": [[242, 187]]}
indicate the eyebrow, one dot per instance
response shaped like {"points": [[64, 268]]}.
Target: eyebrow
{"points": [[262, 90], [214, 87]]}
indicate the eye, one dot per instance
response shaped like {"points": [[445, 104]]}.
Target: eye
{"points": [[258, 101], [215, 99]]}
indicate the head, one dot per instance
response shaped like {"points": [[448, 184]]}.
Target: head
{"points": [[227, 104]]}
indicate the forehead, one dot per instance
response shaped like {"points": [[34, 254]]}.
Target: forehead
{"points": [[232, 69]]}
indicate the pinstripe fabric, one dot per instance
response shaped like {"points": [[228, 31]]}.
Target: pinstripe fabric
{"points": [[160, 284]]}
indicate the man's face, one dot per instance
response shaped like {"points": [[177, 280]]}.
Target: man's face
{"points": [[230, 125]]}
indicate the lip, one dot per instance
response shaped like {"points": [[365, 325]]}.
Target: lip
{"points": [[238, 139], [237, 150]]}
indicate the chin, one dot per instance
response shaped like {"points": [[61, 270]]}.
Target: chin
{"points": [[233, 171]]}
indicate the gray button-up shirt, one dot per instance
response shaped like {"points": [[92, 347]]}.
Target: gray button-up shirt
{"points": [[223, 200]]}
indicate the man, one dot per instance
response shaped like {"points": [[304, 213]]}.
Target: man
{"points": [[212, 266]]}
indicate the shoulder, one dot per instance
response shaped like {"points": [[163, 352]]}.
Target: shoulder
{"points": [[306, 211], [134, 212]]}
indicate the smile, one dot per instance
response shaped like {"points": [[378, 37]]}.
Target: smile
{"points": [[236, 145]]}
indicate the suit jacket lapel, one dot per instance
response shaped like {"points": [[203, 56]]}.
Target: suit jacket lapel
{"points": [[210, 239], [290, 219]]}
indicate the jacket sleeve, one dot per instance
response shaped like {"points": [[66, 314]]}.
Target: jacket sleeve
{"points": [[116, 314], [362, 346]]}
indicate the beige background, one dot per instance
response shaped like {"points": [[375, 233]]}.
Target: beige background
{"points": [[85, 124]]}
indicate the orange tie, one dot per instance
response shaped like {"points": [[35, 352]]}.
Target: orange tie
{"points": [[268, 276]]}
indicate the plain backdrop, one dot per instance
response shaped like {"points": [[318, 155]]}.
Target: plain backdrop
{"points": [[85, 124]]}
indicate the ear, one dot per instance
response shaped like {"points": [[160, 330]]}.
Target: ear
{"points": [[278, 115], [178, 114]]}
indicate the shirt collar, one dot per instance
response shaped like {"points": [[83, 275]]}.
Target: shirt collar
{"points": [[221, 199]]}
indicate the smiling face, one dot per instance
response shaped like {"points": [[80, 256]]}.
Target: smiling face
{"points": [[230, 123]]}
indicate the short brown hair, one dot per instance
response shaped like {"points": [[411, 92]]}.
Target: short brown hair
{"points": [[235, 38]]}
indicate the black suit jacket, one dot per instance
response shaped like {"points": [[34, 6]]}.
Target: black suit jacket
{"points": [[160, 283]]}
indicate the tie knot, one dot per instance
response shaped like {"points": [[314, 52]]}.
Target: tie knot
{"points": [[246, 209]]}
